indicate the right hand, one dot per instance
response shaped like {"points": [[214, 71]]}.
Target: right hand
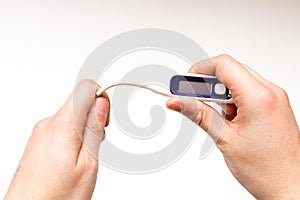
{"points": [[260, 138]]}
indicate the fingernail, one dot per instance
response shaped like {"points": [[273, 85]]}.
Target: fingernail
{"points": [[101, 107], [174, 100]]}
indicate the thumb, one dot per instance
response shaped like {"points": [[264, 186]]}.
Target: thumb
{"points": [[94, 132], [202, 114]]}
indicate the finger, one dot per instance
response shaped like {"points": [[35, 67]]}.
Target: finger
{"points": [[254, 73], [229, 109], [78, 105], [202, 114], [232, 73], [203, 67], [94, 132], [260, 78], [104, 94]]}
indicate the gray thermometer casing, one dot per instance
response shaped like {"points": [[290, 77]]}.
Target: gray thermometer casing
{"points": [[201, 87]]}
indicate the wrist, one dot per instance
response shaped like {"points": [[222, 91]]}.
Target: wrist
{"points": [[289, 188]]}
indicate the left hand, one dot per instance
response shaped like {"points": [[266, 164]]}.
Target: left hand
{"points": [[60, 159]]}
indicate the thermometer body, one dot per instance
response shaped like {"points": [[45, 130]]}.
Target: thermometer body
{"points": [[201, 87]]}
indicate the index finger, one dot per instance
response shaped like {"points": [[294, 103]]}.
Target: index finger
{"points": [[232, 74]]}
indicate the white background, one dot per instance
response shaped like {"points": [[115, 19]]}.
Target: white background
{"points": [[44, 43]]}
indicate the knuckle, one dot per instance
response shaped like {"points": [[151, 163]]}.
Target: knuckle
{"points": [[267, 97], [223, 63], [41, 128], [97, 132], [201, 118], [92, 164], [58, 125], [282, 94], [93, 128], [200, 115], [102, 135], [227, 142], [62, 119], [40, 125], [93, 167], [225, 57], [222, 143], [87, 82], [89, 165]]}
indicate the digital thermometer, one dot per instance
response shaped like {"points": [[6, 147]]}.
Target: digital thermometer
{"points": [[201, 87]]}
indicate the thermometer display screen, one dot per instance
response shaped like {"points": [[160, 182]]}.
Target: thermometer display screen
{"points": [[193, 87], [199, 86]]}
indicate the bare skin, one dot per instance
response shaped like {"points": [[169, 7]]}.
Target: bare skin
{"points": [[260, 136], [57, 163]]}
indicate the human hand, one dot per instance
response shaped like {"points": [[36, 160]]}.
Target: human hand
{"points": [[259, 138], [60, 159]]}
